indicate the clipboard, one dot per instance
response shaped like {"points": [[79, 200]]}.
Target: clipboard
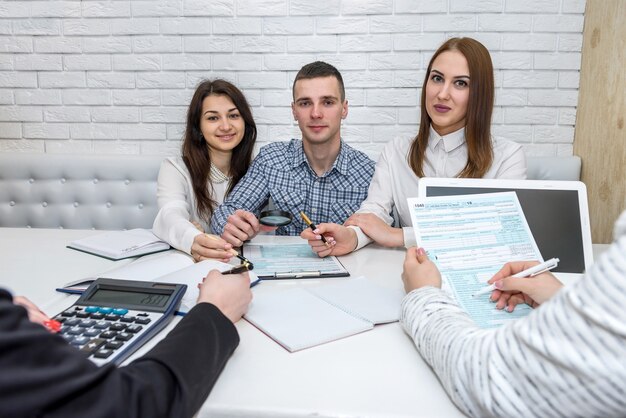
{"points": [[291, 261]]}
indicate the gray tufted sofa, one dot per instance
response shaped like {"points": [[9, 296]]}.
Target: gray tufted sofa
{"points": [[119, 192], [78, 191]]}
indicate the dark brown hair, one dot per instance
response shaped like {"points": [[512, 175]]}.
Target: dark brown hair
{"points": [[196, 151], [319, 69], [479, 110]]}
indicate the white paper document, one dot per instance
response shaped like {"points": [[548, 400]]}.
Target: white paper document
{"points": [[291, 261], [168, 267], [470, 238], [306, 316]]}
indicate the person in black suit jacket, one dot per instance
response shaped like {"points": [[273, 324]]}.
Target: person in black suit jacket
{"points": [[41, 375]]}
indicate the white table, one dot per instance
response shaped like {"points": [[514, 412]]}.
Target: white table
{"points": [[376, 374]]}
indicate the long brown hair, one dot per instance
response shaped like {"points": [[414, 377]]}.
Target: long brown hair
{"points": [[195, 150], [479, 110]]}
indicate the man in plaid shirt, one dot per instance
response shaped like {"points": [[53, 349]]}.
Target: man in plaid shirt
{"points": [[319, 174]]}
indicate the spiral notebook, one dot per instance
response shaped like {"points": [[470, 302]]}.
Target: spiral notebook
{"points": [[304, 317]]}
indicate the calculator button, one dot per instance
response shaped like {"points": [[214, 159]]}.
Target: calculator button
{"points": [[117, 327], [92, 332], [82, 315], [71, 322], [60, 319], [76, 331], [68, 313], [102, 324], [80, 340], [105, 310], [114, 345], [69, 338], [111, 317], [96, 316], [142, 314], [103, 353], [142, 321], [92, 345], [91, 309], [108, 334], [120, 311], [124, 336], [127, 319], [134, 328], [87, 323]]}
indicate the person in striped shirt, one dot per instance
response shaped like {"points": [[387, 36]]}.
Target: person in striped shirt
{"points": [[567, 358]]}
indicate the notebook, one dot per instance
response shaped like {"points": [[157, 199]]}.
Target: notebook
{"points": [[304, 317], [557, 213], [117, 245]]}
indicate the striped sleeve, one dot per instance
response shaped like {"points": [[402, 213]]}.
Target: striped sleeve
{"points": [[567, 358]]}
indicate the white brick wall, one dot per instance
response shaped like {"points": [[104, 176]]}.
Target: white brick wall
{"points": [[104, 76]]}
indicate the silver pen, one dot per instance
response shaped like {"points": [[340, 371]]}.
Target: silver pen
{"points": [[529, 272]]}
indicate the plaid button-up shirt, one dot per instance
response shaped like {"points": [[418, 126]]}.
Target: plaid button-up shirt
{"points": [[282, 172]]}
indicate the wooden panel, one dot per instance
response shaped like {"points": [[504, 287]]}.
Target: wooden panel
{"points": [[600, 138]]}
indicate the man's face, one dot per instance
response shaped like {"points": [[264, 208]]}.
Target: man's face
{"points": [[318, 109]]}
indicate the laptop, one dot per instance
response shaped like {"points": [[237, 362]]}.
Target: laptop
{"points": [[556, 211]]}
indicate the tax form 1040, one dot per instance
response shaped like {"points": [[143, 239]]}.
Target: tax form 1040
{"points": [[470, 238]]}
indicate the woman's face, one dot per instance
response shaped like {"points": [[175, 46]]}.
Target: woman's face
{"points": [[221, 123], [447, 92]]}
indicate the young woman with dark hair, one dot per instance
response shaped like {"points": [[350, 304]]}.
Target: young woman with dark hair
{"points": [[216, 153], [454, 140]]}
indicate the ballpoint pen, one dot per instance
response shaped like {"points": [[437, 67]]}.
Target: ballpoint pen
{"points": [[312, 226], [241, 268], [234, 252], [529, 272]]}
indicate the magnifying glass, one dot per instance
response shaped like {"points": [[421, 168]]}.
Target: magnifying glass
{"points": [[275, 217]]}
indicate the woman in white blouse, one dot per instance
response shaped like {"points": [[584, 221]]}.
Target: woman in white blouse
{"points": [[454, 140], [566, 359], [216, 153]]}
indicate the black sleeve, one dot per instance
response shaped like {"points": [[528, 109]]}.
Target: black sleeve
{"points": [[42, 375]]}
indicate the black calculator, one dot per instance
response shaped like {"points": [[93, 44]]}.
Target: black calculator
{"points": [[113, 317]]}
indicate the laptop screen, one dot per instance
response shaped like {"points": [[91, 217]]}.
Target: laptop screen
{"points": [[553, 217]]}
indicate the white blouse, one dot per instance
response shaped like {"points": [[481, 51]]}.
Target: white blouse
{"points": [[177, 204], [566, 359], [394, 181]]}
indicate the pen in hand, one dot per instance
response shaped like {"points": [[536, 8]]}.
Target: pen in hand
{"points": [[312, 226], [529, 272], [234, 252], [242, 268]]}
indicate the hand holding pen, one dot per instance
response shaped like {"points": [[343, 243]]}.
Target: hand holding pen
{"points": [[524, 282], [232, 252], [312, 226]]}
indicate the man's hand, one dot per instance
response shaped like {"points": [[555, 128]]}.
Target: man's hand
{"points": [[533, 291], [377, 229], [419, 271], [241, 226], [341, 240], [231, 293]]}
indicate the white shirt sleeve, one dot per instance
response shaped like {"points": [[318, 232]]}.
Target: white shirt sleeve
{"points": [[567, 358], [172, 223], [379, 199]]}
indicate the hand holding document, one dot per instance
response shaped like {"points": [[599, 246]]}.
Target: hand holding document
{"points": [[469, 238]]}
